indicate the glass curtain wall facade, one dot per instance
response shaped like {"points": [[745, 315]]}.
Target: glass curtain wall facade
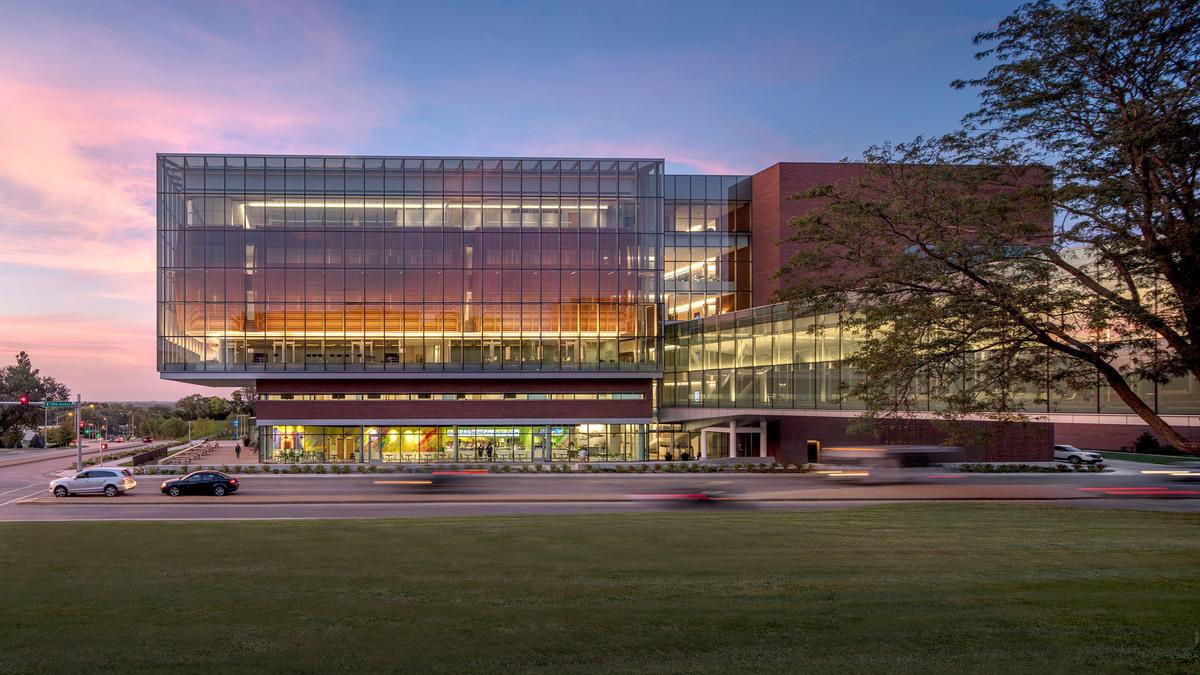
{"points": [[706, 254], [301, 264], [772, 357]]}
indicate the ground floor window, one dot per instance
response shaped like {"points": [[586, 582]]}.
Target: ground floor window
{"points": [[458, 444], [673, 442]]}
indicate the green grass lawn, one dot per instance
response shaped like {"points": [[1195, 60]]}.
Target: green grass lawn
{"points": [[903, 588], [1149, 459]]}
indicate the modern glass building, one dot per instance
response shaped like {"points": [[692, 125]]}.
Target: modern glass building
{"points": [[419, 309]]}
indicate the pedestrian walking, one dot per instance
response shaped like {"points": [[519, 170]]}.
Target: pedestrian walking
{"points": [[237, 450]]}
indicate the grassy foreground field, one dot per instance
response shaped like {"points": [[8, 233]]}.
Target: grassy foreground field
{"points": [[905, 588]]}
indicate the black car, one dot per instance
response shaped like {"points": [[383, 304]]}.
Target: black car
{"points": [[201, 483]]}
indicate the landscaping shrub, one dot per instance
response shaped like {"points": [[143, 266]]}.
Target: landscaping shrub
{"points": [[1146, 443], [1014, 468]]}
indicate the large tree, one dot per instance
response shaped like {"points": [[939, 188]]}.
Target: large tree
{"points": [[22, 379], [976, 278], [242, 400]]}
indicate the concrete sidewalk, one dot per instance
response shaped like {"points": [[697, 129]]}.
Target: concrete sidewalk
{"points": [[226, 454]]}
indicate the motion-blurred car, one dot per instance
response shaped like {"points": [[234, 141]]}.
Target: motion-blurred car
{"points": [[684, 494], [468, 480], [1186, 471], [201, 483], [106, 481], [1072, 454], [884, 464]]}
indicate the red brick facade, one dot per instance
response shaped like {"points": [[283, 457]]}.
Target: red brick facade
{"points": [[984, 441], [1109, 436], [773, 209], [434, 409]]}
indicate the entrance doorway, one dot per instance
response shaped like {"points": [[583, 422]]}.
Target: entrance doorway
{"points": [[747, 444]]}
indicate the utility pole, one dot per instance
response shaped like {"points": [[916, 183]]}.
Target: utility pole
{"points": [[78, 435]]}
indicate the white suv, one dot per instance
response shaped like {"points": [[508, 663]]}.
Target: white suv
{"points": [[107, 481], [1074, 455]]}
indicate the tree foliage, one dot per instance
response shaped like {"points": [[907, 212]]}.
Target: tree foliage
{"points": [[22, 379], [198, 406], [242, 400], [983, 287]]}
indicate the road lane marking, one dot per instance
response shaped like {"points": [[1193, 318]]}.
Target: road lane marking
{"points": [[16, 489], [17, 499]]}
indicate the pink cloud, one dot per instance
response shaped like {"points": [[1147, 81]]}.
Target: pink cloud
{"points": [[100, 358], [85, 110]]}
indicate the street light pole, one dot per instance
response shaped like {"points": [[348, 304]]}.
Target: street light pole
{"points": [[78, 436]]}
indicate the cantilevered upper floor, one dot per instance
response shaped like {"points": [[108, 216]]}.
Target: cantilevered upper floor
{"points": [[428, 266]]}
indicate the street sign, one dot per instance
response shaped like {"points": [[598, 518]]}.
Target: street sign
{"points": [[60, 404]]}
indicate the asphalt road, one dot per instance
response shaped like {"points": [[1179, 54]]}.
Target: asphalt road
{"points": [[24, 496], [23, 471]]}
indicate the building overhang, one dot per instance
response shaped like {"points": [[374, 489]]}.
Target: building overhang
{"points": [[241, 379], [716, 415]]}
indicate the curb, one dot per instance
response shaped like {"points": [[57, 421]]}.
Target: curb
{"points": [[556, 500], [46, 459]]}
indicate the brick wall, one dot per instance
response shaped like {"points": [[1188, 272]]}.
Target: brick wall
{"points": [[513, 410], [985, 441], [1108, 436], [773, 210]]}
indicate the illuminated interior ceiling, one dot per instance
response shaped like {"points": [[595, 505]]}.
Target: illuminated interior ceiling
{"points": [[709, 300], [680, 271], [392, 335], [384, 204]]}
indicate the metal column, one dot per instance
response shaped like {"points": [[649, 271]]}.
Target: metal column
{"points": [[78, 434]]}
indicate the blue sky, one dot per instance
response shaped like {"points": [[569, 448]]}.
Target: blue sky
{"points": [[90, 91]]}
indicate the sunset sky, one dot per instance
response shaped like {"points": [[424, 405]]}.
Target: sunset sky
{"points": [[90, 91]]}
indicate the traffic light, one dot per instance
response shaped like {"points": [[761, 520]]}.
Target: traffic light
{"points": [[24, 399]]}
